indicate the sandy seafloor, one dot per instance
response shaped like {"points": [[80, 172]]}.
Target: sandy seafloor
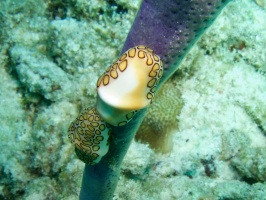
{"points": [[211, 127]]}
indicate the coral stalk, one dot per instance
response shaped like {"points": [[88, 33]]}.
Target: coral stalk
{"points": [[171, 27]]}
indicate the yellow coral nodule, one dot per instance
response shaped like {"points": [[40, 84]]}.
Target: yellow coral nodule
{"points": [[128, 85], [90, 135]]}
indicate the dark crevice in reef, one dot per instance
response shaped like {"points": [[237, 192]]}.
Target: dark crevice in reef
{"points": [[8, 192], [209, 166], [57, 9], [255, 119], [249, 181], [130, 175], [119, 9]]}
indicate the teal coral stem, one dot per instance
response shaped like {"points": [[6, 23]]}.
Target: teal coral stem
{"points": [[99, 181], [170, 28]]}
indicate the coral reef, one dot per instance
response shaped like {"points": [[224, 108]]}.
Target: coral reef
{"points": [[157, 128], [218, 148]]}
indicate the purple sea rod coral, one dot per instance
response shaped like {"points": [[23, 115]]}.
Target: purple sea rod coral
{"points": [[171, 27]]}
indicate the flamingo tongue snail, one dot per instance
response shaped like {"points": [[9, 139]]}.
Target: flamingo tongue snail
{"points": [[128, 85]]}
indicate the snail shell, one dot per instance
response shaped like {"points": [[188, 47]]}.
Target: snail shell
{"points": [[128, 85]]}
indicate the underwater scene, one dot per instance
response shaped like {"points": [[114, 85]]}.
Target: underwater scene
{"points": [[133, 100]]}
